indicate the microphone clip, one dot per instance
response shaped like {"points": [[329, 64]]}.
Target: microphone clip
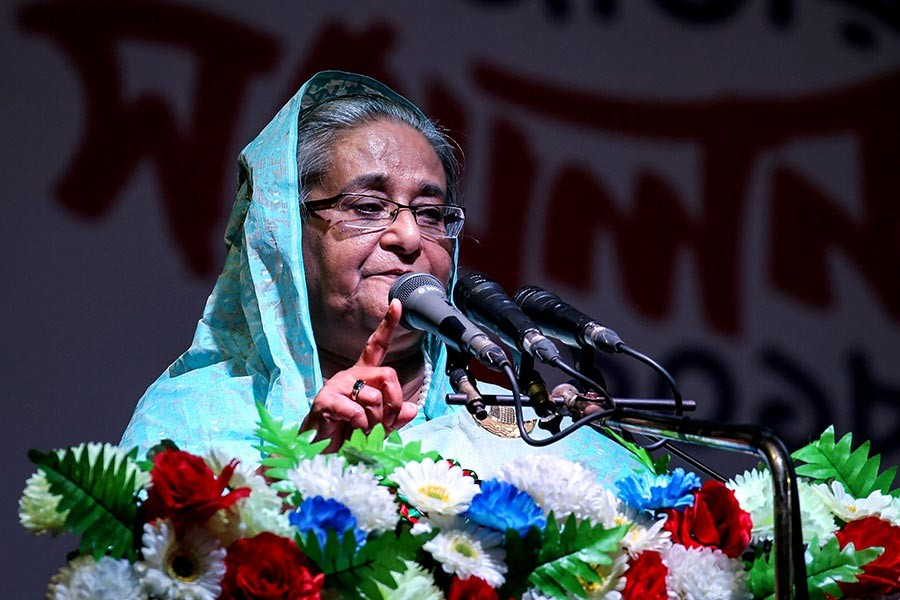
{"points": [[463, 383]]}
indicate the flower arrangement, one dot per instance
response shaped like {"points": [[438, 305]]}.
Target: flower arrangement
{"points": [[380, 519]]}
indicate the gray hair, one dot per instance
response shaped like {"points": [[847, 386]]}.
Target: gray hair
{"points": [[321, 125]]}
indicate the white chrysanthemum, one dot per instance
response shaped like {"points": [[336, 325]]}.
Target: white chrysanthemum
{"points": [[704, 574], [38, 507], [561, 486], [646, 536], [466, 551], [816, 519], [253, 514], [188, 569], [847, 508], [415, 583], [435, 488], [754, 492], [84, 579], [608, 510], [318, 476], [354, 486], [896, 504]]}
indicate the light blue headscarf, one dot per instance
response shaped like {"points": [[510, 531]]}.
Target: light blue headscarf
{"points": [[255, 341]]}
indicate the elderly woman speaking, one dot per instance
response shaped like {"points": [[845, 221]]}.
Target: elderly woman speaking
{"points": [[348, 188]]}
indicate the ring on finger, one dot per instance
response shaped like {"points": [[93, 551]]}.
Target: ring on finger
{"points": [[360, 384]]}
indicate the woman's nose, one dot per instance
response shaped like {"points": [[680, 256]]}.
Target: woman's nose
{"points": [[403, 233]]}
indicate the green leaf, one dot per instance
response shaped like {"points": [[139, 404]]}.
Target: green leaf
{"points": [[283, 445], [829, 565], [99, 489], [826, 567], [761, 582], [383, 454], [567, 561], [521, 558], [825, 460], [354, 572]]}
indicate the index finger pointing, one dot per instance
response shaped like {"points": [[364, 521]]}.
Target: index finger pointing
{"points": [[380, 341]]}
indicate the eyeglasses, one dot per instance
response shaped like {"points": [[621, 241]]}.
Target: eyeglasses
{"points": [[372, 213]]}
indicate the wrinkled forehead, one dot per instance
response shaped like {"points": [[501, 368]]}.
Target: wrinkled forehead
{"points": [[328, 85]]}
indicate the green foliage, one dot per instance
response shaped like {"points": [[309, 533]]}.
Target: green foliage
{"points": [[827, 460], [761, 581], [283, 445], [354, 572], [830, 565], [383, 454], [521, 558], [826, 567], [565, 563], [660, 466], [99, 493]]}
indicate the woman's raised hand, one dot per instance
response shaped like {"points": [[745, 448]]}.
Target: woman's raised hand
{"points": [[363, 395]]}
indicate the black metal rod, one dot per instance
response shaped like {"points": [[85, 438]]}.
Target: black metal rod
{"points": [[662, 404]]}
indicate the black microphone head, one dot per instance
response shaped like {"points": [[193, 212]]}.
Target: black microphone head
{"points": [[565, 322], [426, 308], [409, 284], [465, 285], [532, 298], [486, 302]]}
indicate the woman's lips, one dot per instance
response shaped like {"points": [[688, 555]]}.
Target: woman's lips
{"points": [[392, 273]]}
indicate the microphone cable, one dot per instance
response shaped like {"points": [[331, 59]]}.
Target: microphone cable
{"points": [[670, 381], [520, 416]]}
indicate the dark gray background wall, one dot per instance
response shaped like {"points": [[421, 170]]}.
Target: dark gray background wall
{"points": [[716, 180]]}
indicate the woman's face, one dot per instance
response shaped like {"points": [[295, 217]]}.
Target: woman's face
{"points": [[348, 276]]}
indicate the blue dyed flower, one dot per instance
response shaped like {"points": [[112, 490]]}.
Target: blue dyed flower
{"points": [[321, 515], [501, 506], [648, 492]]}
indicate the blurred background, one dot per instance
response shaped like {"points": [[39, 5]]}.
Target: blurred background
{"points": [[716, 180]]}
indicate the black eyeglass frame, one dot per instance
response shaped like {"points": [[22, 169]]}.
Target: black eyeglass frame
{"points": [[324, 203]]}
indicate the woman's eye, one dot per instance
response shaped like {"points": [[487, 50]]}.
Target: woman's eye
{"points": [[430, 214], [367, 207]]}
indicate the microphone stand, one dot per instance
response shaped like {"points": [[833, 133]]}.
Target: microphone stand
{"points": [[790, 565]]}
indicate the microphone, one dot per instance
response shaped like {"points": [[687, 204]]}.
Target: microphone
{"points": [[565, 322], [426, 308], [486, 303]]}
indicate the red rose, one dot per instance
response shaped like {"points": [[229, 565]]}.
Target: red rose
{"points": [[473, 588], [186, 490], [269, 567], [882, 575], [716, 520], [646, 578]]}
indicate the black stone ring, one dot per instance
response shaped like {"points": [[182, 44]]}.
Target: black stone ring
{"points": [[360, 384]]}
